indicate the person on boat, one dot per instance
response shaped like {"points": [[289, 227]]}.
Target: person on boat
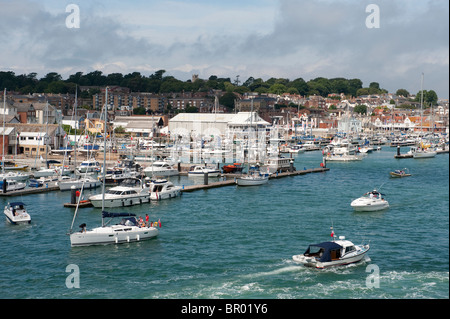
{"points": [[146, 220], [141, 222]]}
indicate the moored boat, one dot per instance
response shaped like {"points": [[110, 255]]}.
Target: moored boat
{"points": [[201, 170]]}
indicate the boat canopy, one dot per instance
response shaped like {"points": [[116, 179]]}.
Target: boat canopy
{"points": [[15, 204], [325, 250], [113, 215]]}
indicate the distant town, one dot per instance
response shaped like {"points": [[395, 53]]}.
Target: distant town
{"points": [[142, 106]]}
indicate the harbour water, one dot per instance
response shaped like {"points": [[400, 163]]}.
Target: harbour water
{"points": [[236, 243]]}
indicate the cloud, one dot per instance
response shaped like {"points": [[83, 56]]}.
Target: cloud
{"points": [[270, 38]]}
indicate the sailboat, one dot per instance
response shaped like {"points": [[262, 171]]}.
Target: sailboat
{"points": [[422, 151], [254, 176], [129, 229]]}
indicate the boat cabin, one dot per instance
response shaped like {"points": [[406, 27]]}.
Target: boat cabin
{"points": [[326, 251]]}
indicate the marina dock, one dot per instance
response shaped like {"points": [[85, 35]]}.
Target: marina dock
{"points": [[230, 179], [28, 191]]}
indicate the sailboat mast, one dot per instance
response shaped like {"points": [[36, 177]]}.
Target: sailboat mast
{"points": [[76, 127], [104, 155], [421, 106], [3, 145]]}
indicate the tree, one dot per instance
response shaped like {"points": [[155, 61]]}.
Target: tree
{"points": [[402, 92], [361, 109], [431, 97], [227, 100]]}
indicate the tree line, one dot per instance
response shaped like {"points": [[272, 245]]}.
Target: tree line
{"points": [[159, 83]]}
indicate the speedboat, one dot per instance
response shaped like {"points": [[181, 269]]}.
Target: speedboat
{"points": [[163, 189], [128, 230], [201, 170], [400, 173], [16, 213], [131, 192], [370, 201], [160, 168], [337, 252]]}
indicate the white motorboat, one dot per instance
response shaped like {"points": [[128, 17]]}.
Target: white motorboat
{"points": [[344, 157], [16, 213], [16, 176], [12, 185], [332, 253], [131, 192], [118, 174], [163, 189], [296, 149], [128, 230], [87, 182], [369, 202], [161, 168], [201, 170], [89, 166]]}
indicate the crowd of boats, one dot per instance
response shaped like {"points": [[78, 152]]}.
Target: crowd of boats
{"points": [[136, 182]]}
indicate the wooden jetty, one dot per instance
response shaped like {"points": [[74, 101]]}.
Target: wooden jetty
{"points": [[28, 191], [230, 179]]}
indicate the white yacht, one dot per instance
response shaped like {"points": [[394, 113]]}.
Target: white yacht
{"points": [[337, 252], [128, 230], [16, 213], [12, 185], [160, 168], [369, 202], [87, 182], [118, 174], [200, 170], [163, 189], [89, 166], [131, 192], [13, 175]]}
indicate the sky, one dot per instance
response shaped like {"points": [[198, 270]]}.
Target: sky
{"points": [[250, 38]]}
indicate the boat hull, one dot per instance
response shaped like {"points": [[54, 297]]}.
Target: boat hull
{"points": [[21, 218], [111, 201], [369, 207], [65, 186], [165, 195], [111, 235], [242, 181], [311, 262]]}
